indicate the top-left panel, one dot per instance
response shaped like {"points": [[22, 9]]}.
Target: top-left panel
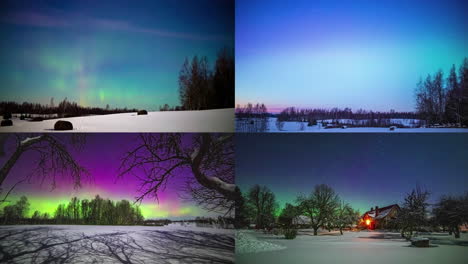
{"points": [[117, 66]]}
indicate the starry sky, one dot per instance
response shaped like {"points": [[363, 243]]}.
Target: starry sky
{"points": [[366, 170], [101, 155], [122, 53], [344, 53]]}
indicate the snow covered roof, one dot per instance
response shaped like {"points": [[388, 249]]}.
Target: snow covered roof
{"points": [[381, 212], [301, 220]]}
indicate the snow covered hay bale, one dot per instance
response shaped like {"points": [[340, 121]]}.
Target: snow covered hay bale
{"points": [[63, 125], [7, 122], [142, 112], [392, 128], [420, 242]]}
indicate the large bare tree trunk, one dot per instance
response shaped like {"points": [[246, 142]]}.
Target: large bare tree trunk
{"points": [[22, 147]]}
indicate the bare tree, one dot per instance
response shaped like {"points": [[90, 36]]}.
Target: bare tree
{"points": [[319, 206], [413, 214], [262, 201], [53, 160], [207, 158]]}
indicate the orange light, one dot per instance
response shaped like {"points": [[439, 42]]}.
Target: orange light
{"points": [[367, 222]]}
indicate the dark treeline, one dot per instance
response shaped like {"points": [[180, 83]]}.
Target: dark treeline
{"points": [[64, 109], [441, 100], [370, 118], [97, 211], [202, 88]]}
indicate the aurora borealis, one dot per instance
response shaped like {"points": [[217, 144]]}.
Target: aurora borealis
{"points": [[344, 53], [121, 53], [364, 169], [101, 154]]}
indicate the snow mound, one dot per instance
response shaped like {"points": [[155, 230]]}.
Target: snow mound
{"points": [[246, 243]]}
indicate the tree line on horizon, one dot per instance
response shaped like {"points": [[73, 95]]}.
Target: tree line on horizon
{"points": [[326, 210], [65, 108], [97, 211]]}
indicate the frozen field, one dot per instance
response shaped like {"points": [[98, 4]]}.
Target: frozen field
{"points": [[301, 127], [352, 247], [115, 244], [219, 120]]}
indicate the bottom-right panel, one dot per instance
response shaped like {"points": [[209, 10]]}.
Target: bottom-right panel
{"points": [[352, 198]]}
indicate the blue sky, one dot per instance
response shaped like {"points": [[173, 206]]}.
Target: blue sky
{"points": [[358, 54]]}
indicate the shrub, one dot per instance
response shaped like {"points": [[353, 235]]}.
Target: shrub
{"points": [[290, 233], [7, 115], [22, 117], [63, 125], [6, 122], [142, 112]]}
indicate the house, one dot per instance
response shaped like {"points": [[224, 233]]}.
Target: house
{"points": [[380, 217]]}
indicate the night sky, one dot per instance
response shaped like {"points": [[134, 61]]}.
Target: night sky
{"points": [[344, 53], [101, 155], [121, 53], [364, 169]]}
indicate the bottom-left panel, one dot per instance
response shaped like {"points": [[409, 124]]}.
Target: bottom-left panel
{"points": [[117, 198]]}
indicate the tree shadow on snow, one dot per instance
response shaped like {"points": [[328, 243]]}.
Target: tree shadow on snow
{"points": [[51, 245]]}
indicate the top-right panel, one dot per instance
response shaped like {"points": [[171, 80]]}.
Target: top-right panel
{"points": [[351, 66]]}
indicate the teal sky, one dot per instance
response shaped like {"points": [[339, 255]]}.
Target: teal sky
{"points": [[344, 53], [121, 53]]}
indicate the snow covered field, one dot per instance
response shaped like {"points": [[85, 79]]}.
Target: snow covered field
{"points": [[352, 247], [302, 127], [115, 244], [219, 120]]}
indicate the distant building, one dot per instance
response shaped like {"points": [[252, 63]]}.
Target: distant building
{"points": [[378, 218], [301, 220]]}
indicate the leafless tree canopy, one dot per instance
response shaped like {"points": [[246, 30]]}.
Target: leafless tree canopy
{"points": [[53, 158], [205, 161]]}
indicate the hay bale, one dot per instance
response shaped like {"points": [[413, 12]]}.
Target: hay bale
{"points": [[420, 242], [142, 112], [6, 122], [63, 125]]}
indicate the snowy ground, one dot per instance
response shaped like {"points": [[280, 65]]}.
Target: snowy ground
{"points": [[115, 244], [352, 247], [219, 120], [302, 127]]}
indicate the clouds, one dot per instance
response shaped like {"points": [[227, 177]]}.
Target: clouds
{"points": [[48, 19]]}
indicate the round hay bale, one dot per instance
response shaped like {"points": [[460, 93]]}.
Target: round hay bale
{"points": [[37, 119], [7, 122], [63, 125], [142, 112]]}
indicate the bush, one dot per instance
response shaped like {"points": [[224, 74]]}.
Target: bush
{"points": [[7, 116], [63, 125], [142, 112], [6, 122], [22, 117], [290, 233]]}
